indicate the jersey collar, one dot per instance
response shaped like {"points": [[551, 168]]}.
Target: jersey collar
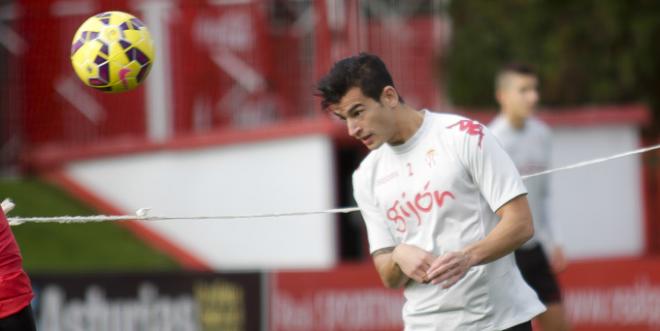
{"points": [[414, 140]]}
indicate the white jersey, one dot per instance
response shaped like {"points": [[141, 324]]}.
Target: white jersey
{"points": [[529, 148], [439, 191]]}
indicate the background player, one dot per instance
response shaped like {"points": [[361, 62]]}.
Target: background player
{"points": [[528, 142]]}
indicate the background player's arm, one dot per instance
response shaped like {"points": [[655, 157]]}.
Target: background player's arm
{"points": [[397, 265]]}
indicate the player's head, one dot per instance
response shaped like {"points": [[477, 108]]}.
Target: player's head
{"points": [[516, 91], [359, 89]]}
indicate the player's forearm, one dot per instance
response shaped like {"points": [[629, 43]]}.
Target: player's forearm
{"points": [[389, 271], [513, 230], [392, 276]]}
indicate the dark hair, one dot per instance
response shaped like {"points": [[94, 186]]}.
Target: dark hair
{"points": [[513, 68], [366, 71]]}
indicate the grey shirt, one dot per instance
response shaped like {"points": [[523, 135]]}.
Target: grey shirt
{"points": [[530, 149]]}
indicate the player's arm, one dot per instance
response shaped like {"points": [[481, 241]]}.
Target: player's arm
{"points": [[389, 272], [397, 265], [500, 185], [514, 229]]}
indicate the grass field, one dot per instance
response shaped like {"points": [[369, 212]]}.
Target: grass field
{"points": [[52, 247]]}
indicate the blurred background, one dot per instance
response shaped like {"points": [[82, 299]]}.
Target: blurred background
{"points": [[227, 124]]}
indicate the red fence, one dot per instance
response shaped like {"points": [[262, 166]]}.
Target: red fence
{"points": [[54, 106], [613, 295], [347, 298], [607, 295], [223, 65]]}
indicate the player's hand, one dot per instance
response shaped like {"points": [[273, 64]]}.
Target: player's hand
{"points": [[449, 268], [413, 261], [558, 260]]}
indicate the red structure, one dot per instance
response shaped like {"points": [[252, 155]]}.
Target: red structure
{"points": [[218, 66]]}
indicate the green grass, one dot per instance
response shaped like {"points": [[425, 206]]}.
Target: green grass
{"points": [[52, 247]]}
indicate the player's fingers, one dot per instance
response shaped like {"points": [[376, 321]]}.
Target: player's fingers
{"points": [[415, 267], [443, 264], [437, 279], [452, 269], [438, 273], [448, 279], [413, 274], [419, 276], [439, 261], [558, 265], [428, 267], [438, 266], [422, 270], [429, 259], [454, 279]]}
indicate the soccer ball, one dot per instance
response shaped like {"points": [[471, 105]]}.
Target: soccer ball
{"points": [[112, 52]]}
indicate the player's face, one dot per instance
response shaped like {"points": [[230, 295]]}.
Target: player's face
{"points": [[519, 96], [369, 121]]}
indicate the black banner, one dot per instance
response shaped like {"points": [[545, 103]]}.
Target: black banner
{"points": [[181, 301]]}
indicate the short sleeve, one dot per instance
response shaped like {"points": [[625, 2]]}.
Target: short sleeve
{"points": [[490, 166], [378, 232]]}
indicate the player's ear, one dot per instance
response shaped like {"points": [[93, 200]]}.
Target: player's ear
{"points": [[390, 96], [499, 96]]}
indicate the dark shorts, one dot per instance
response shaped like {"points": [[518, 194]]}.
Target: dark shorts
{"points": [[527, 326], [536, 271], [21, 321]]}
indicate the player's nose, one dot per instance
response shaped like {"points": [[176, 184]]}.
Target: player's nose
{"points": [[353, 128]]}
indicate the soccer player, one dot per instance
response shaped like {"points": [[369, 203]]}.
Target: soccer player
{"points": [[443, 204], [528, 142], [15, 288]]}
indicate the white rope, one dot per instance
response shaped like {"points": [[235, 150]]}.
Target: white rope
{"points": [[142, 214], [7, 205], [594, 161]]}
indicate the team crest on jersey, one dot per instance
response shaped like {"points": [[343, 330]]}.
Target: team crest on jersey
{"points": [[472, 128], [430, 157]]}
